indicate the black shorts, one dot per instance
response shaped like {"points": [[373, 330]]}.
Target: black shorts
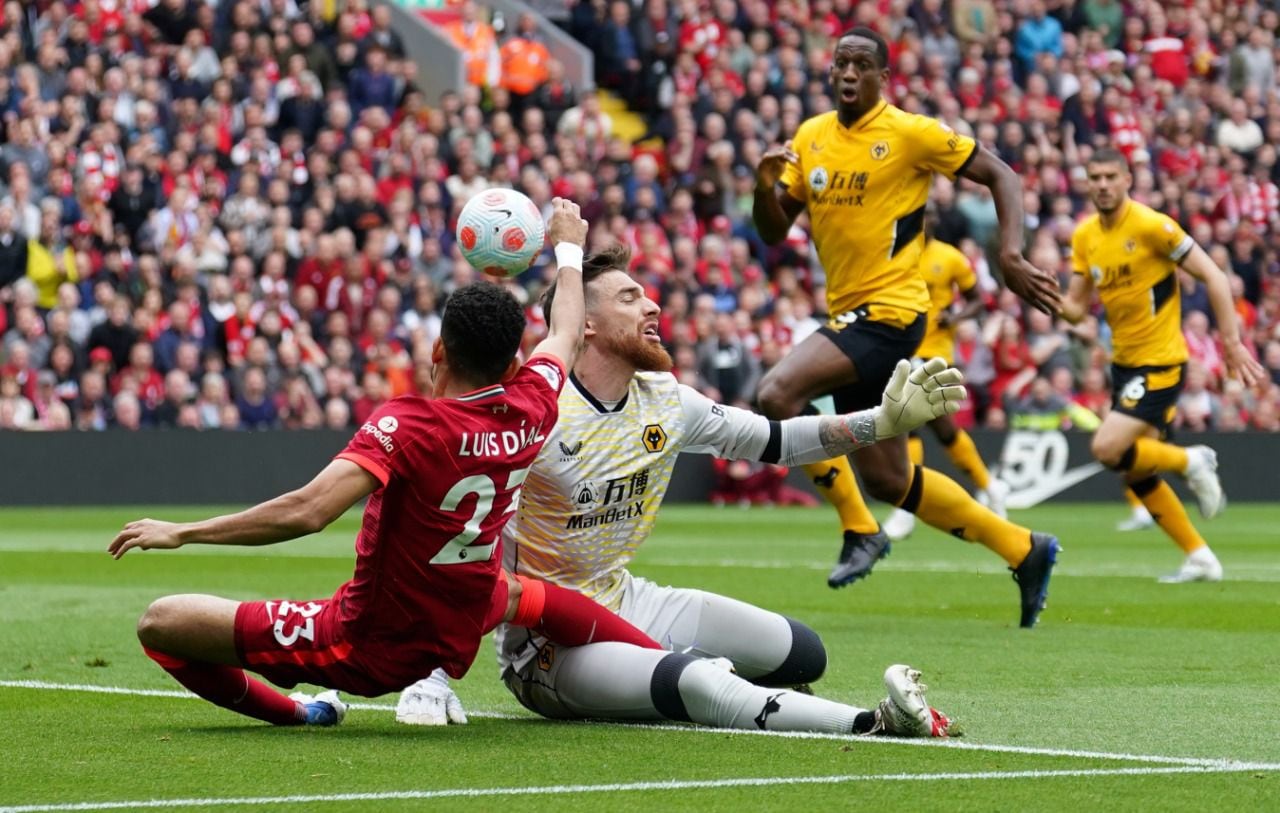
{"points": [[875, 349], [1149, 394]]}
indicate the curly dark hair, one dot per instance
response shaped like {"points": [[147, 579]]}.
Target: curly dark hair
{"points": [[616, 257], [481, 329]]}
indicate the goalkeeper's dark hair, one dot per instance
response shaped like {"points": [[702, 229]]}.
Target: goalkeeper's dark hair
{"points": [[882, 47], [616, 257], [481, 329]]}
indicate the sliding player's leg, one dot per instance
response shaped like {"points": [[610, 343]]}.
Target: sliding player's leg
{"points": [[766, 648], [622, 682], [193, 638], [568, 617]]}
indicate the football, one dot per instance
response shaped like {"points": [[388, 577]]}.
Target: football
{"points": [[501, 232]]}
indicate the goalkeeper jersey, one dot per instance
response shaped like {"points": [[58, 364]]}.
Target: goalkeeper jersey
{"points": [[593, 493]]}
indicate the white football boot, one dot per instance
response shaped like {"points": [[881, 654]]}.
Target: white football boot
{"points": [[1199, 566], [1139, 520], [905, 712], [994, 497], [899, 525], [1202, 477]]}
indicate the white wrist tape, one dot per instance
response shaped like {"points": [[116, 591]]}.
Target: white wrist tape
{"points": [[568, 255]]}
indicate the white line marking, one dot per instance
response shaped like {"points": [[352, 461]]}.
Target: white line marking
{"points": [[619, 787], [960, 745], [1254, 572], [1238, 573], [184, 695], [963, 745]]}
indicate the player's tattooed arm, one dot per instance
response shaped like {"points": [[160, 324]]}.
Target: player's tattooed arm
{"points": [[911, 399], [842, 434]]}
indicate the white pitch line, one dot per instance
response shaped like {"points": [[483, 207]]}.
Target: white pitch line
{"points": [[960, 745], [1250, 573], [618, 787], [185, 695]]}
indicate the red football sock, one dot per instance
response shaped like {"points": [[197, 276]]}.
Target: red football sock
{"points": [[572, 619], [233, 689]]}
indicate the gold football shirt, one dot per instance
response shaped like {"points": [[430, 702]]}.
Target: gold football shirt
{"points": [[865, 187], [1134, 266], [945, 269]]}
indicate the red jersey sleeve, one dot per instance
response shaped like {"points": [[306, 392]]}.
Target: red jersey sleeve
{"points": [[378, 442], [550, 368]]}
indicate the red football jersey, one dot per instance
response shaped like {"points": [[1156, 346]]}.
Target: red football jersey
{"points": [[428, 554]]}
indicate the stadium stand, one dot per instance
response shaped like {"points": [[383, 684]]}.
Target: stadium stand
{"points": [[238, 215]]}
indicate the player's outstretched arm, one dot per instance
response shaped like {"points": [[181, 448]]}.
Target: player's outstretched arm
{"points": [[915, 397], [1036, 286], [1239, 362], [912, 399], [308, 509], [567, 232], [774, 210]]}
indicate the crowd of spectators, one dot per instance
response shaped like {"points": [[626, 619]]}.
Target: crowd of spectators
{"points": [[238, 214]]}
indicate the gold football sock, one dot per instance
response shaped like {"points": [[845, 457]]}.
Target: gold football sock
{"points": [[1167, 510], [835, 481], [1131, 498], [1150, 454], [964, 455], [915, 450], [941, 502]]}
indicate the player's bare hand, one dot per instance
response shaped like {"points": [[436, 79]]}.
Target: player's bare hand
{"points": [[1242, 365], [1036, 286], [145, 534], [773, 163], [566, 224]]}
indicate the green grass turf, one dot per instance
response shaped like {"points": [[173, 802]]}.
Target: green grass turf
{"points": [[1120, 664]]}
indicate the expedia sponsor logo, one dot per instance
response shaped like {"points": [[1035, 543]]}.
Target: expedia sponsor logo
{"points": [[384, 439], [618, 513]]}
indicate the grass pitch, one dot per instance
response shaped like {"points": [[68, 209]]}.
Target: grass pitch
{"points": [[1129, 695]]}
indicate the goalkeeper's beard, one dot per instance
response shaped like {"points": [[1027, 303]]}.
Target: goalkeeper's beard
{"points": [[639, 352]]}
